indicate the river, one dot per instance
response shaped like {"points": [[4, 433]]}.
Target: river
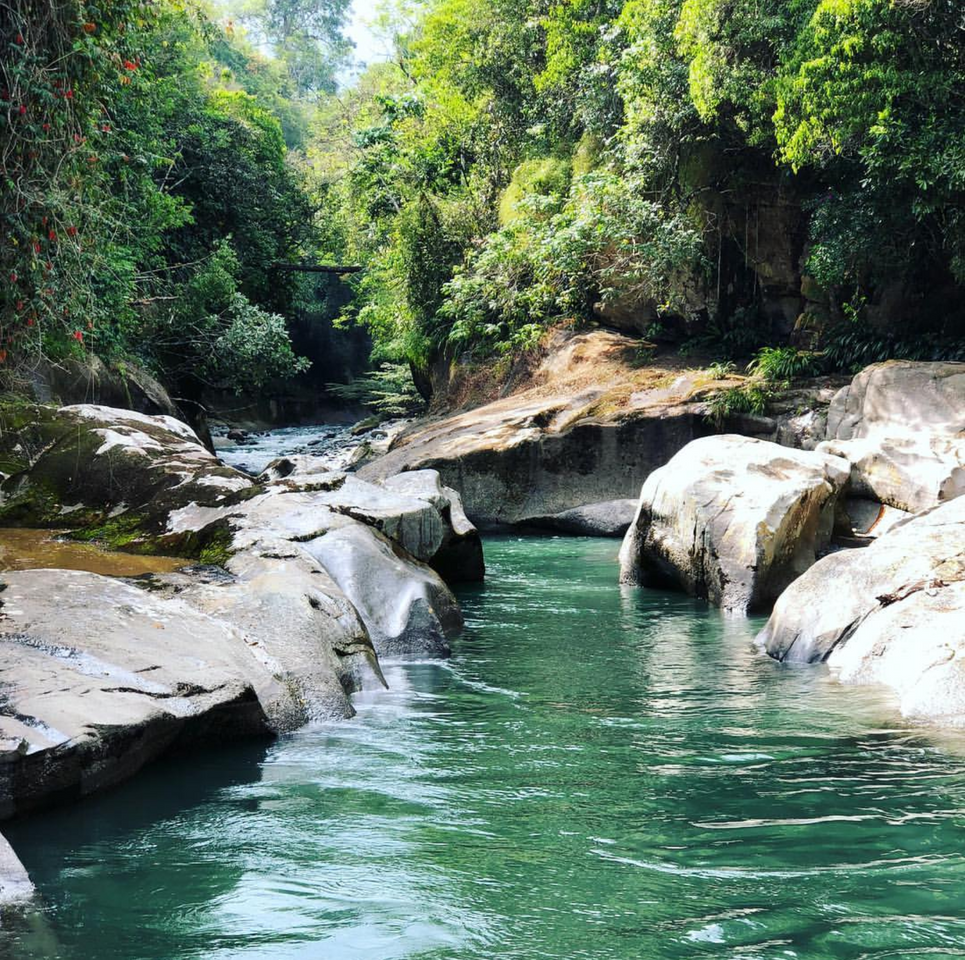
{"points": [[598, 772]]}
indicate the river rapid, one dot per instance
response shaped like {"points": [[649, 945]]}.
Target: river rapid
{"points": [[598, 772]]}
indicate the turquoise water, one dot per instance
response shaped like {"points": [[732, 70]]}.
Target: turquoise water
{"points": [[597, 773]]}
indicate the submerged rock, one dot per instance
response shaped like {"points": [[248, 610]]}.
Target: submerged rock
{"points": [[893, 613], [16, 887], [901, 424], [611, 518], [733, 520]]}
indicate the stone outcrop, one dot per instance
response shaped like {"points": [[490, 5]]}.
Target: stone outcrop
{"points": [[97, 677], [90, 380], [316, 572], [404, 604], [893, 613], [733, 520], [902, 426], [87, 465], [589, 429]]}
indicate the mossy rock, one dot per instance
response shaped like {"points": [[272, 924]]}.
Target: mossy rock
{"points": [[114, 477]]}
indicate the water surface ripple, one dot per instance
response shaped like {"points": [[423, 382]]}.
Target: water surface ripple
{"points": [[598, 773]]}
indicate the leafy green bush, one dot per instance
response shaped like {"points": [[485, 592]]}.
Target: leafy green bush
{"points": [[389, 390], [605, 240], [749, 398], [784, 363]]}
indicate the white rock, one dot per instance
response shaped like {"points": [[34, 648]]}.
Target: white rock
{"points": [[733, 520]]}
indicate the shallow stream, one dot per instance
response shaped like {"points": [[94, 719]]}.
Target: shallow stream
{"points": [[598, 773]]}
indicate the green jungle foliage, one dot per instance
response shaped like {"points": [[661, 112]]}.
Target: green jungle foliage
{"points": [[149, 182], [524, 164], [512, 166]]}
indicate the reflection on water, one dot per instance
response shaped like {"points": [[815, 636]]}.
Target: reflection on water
{"points": [[597, 773], [25, 549]]}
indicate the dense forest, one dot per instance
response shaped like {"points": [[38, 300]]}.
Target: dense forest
{"points": [[726, 176]]}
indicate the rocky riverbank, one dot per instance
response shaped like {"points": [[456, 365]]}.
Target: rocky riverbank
{"points": [[298, 580], [303, 578], [744, 524], [570, 449], [757, 510]]}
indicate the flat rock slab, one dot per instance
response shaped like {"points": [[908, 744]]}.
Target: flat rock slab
{"points": [[733, 520], [97, 677]]}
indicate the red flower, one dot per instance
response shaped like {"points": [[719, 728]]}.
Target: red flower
{"points": [[3, 356], [72, 231], [36, 246], [13, 278], [90, 27], [130, 65], [20, 304], [69, 94], [20, 38], [46, 127], [52, 236], [78, 336], [23, 109], [30, 322]]}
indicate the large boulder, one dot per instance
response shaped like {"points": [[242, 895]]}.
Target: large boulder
{"points": [[901, 424], [414, 509], [97, 677], [406, 607], [297, 623], [89, 465], [893, 613], [357, 534], [733, 520]]}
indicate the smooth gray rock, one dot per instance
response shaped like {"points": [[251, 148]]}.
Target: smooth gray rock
{"points": [[611, 518], [371, 540], [901, 425], [98, 677], [299, 624], [733, 520], [893, 613], [414, 509], [406, 607]]}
